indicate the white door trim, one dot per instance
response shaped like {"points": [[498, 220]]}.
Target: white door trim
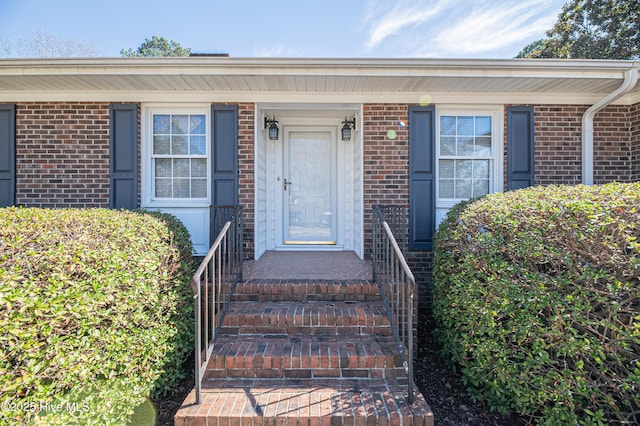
{"points": [[268, 162]]}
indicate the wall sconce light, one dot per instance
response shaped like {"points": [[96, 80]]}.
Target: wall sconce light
{"points": [[347, 125], [272, 124]]}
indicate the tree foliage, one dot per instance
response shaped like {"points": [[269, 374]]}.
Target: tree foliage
{"points": [[42, 44], [533, 49], [591, 29], [5, 47], [157, 46]]}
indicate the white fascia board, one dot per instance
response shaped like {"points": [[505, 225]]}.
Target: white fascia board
{"points": [[316, 66], [308, 97]]}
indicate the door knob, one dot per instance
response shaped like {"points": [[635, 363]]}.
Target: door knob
{"points": [[286, 182]]}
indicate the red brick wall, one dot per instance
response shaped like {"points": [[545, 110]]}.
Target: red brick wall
{"points": [[385, 159], [558, 145], [62, 153], [634, 113], [386, 178], [611, 145], [246, 114]]}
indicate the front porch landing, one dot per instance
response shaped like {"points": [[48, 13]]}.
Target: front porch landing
{"points": [[307, 265]]}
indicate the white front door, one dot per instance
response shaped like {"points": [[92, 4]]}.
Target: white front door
{"points": [[309, 186]]}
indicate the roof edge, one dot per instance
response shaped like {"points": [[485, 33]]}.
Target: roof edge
{"points": [[344, 63]]}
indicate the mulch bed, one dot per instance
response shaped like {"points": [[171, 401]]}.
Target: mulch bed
{"points": [[442, 389], [168, 406]]}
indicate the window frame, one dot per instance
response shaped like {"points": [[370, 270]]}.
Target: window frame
{"points": [[148, 197], [496, 166]]}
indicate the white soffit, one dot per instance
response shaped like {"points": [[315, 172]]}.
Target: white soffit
{"points": [[570, 81]]}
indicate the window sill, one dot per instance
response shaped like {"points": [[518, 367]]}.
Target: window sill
{"points": [[176, 202]]}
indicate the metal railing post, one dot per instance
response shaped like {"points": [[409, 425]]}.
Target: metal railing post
{"points": [[198, 338]]}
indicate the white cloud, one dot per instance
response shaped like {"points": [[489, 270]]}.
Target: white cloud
{"points": [[496, 27], [457, 28], [402, 15]]}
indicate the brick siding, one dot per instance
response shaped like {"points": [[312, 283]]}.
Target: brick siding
{"points": [[246, 187], [62, 153], [385, 158], [635, 142], [386, 179], [612, 145], [558, 144]]}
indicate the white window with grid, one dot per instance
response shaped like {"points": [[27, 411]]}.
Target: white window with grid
{"points": [[179, 156], [469, 149]]}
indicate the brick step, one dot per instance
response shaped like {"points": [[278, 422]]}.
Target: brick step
{"points": [[307, 356], [305, 352], [304, 402], [313, 318], [306, 290]]}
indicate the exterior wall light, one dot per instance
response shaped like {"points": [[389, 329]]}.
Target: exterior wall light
{"points": [[272, 124], [347, 125]]}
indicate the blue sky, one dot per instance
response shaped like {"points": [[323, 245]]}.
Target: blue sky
{"points": [[302, 28]]}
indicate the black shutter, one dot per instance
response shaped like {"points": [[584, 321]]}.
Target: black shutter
{"points": [[224, 162], [7, 155], [520, 152], [124, 156], [422, 163]]}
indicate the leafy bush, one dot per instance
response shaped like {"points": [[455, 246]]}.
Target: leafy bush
{"points": [[537, 301], [95, 313]]}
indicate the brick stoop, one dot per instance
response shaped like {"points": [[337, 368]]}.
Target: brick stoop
{"points": [[305, 352]]}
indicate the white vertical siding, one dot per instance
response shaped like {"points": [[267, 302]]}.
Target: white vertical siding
{"points": [[260, 193], [357, 197]]}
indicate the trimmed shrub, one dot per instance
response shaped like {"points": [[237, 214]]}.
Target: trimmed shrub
{"points": [[537, 301], [95, 313]]}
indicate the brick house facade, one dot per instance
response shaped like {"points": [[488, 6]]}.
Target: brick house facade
{"points": [[558, 146], [634, 136], [63, 147], [62, 154]]}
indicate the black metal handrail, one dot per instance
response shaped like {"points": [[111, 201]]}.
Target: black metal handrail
{"points": [[396, 281], [213, 284]]}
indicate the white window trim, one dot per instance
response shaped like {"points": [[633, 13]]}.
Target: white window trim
{"points": [[496, 169], [147, 199]]}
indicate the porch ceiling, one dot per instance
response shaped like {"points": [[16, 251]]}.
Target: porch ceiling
{"points": [[324, 76]]}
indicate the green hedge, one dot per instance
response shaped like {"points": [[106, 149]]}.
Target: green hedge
{"points": [[95, 313], [537, 301]]}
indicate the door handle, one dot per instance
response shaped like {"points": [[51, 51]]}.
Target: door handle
{"points": [[286, 183]]}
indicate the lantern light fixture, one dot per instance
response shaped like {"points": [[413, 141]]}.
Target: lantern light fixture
{"points": [[272, 124], [347, 125]]}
